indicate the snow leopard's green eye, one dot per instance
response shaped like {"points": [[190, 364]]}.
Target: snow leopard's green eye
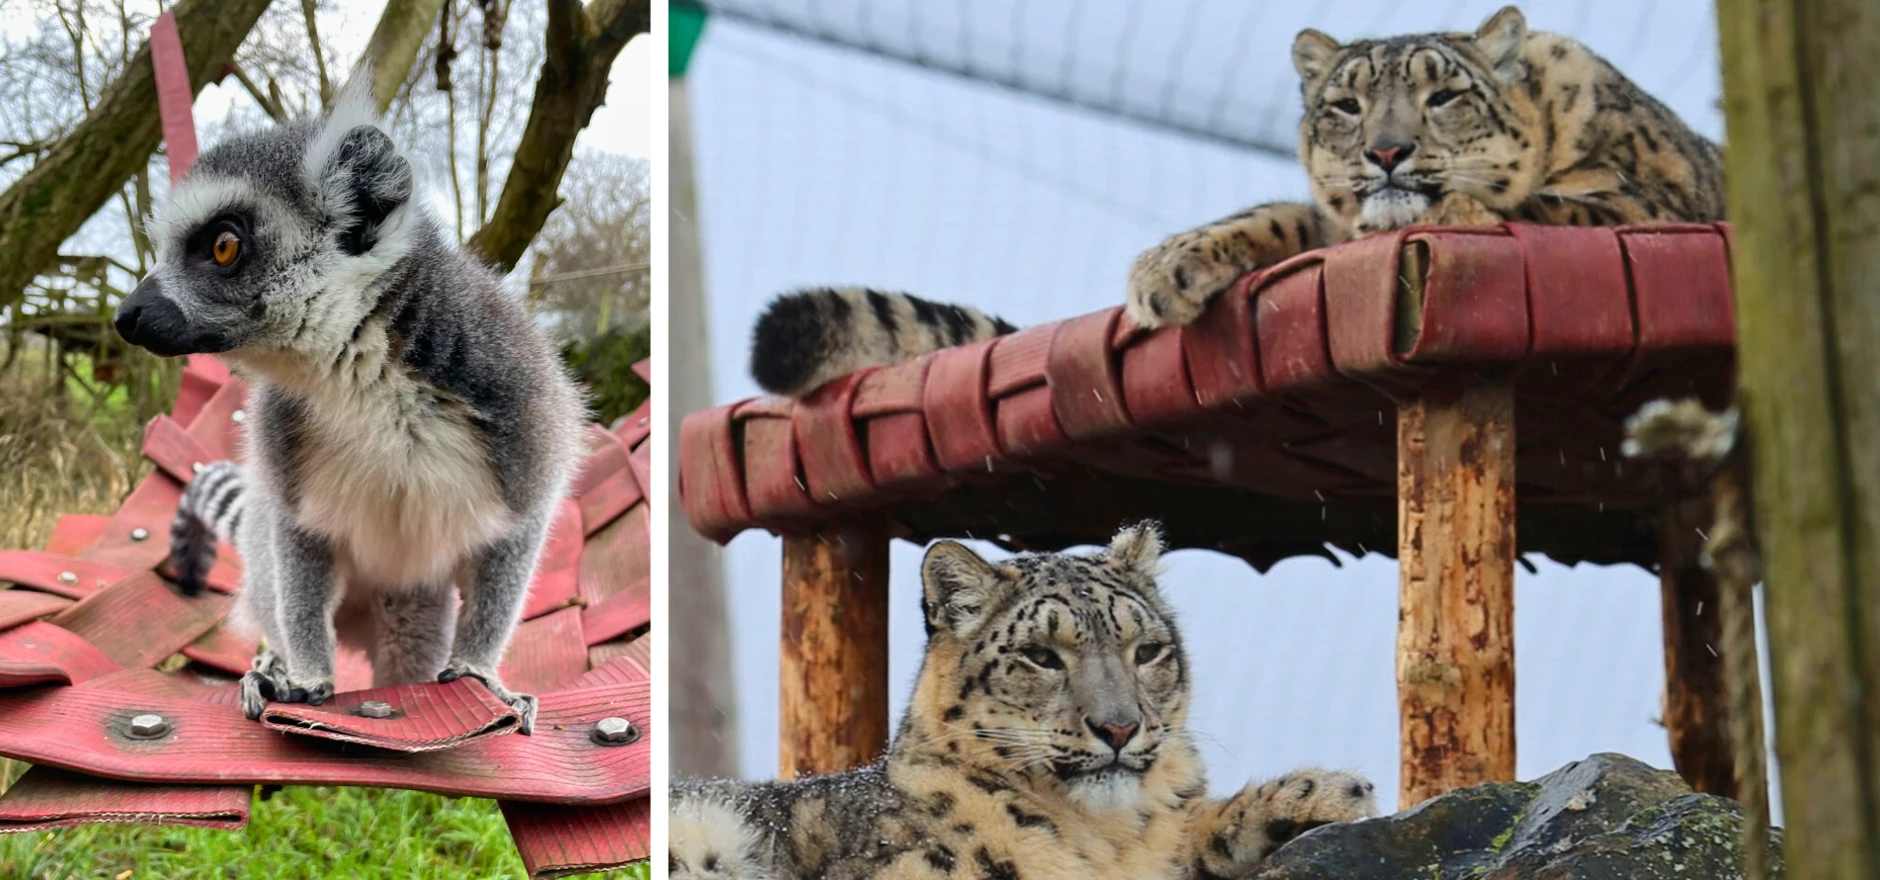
{"points": [[1149, 652]]}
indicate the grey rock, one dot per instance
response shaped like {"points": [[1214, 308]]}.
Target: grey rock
{"points": [[1608, 817]]}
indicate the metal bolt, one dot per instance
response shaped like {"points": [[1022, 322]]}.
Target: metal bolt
{"points": [[375, 709], [68, 577], [615, 732], [139, 534], [237, 416], [195, 467], [149, 726]]}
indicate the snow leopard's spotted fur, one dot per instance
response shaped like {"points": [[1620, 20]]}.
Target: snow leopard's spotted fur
{"points": [[1046, 739]]}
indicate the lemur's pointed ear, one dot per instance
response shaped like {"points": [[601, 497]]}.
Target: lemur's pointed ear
{"points": [[370, 180], [1502, 40], [957, 588], [1137, 549]]}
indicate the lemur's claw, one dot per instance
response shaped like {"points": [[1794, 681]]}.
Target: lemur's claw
{"points": [[257, 690], [261, 688], [522, 703]]}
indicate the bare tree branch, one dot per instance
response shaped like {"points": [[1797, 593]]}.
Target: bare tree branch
{"points": [[267, 100], [22, 150], [319, 55], [75, 31], [581, 45]]}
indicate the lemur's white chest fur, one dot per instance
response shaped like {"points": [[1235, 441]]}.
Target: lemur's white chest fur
{"points": [[391, 471]]}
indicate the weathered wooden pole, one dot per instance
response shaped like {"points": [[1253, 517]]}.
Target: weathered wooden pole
{"points": [[1804, 177], [1456, 557], [835, 648], [1697, 706]]}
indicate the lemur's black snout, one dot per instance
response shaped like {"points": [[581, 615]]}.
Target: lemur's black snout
{"points": [[153, 322]]}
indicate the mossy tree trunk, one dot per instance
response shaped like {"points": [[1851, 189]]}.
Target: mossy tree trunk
{"points": [[1804, 152]]}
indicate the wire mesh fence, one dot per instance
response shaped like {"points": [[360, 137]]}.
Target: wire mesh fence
{"points": [[1017, 156]]}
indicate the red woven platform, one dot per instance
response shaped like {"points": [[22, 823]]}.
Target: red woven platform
{"points": [[1267, 429], [86, 622]]}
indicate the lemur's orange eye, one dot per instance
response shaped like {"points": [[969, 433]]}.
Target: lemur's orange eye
{"points": [[228, 246]]}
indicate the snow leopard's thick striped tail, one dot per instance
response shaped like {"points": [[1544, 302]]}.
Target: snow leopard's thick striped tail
{"points": [[811, 336], [210, 510]]}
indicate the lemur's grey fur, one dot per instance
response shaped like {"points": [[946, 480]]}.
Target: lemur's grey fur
{"points": [[410, 429]]}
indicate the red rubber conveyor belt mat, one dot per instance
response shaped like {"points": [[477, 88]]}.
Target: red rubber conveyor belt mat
{"points": [[1267, 428], [86, 623]]}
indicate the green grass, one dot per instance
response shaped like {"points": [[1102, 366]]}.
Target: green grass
{"points": [[300, 833]]}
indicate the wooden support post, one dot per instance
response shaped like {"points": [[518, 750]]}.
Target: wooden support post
{"points": [[703, 707], [835, 648], [1455, 619], [1697, 707], [1804, 135]]}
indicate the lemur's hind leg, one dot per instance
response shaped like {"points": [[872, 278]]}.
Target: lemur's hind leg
{"points": [[412, 633], [301, 640], [495, 586], [1235, 835]]}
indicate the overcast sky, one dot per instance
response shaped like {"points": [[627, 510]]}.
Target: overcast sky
{"points": [[821, 165]]}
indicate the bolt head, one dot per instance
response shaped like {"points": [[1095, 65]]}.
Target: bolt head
{"points": [[615, 731], [139, 534], [195, 467], [375, 709], [238, 417], [68, 577], [149, 725]]}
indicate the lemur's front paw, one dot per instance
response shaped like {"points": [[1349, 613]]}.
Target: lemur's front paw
{"points": [[1262, 818], [1170, 284], [260, 688], [522, 703]]}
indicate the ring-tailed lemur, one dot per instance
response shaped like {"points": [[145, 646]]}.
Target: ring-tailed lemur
{"points": [[410, 429]]}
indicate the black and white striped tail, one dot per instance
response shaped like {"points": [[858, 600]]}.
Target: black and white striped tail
{"points": [[811, 336], [210, 510]]}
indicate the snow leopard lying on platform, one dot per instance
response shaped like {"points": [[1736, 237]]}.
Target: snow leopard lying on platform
{"points": [[1448, 129], [1046, 738]]}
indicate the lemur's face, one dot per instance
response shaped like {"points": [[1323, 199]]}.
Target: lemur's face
{"points": [[271, 241]]}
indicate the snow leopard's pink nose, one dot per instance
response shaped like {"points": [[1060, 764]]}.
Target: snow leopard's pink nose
{"points": [[1389, 156], [1117, 735]]}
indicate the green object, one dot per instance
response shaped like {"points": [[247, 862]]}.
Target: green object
{"points": [[685, 20], [300, 833]]}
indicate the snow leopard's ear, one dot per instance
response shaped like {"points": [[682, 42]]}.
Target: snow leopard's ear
{"points": [[1502, 40], [1312, 56], [1137, 550], [957, 588]]}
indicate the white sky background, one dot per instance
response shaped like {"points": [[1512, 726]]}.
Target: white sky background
{"points": [[820, 165], [624, 125]]}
